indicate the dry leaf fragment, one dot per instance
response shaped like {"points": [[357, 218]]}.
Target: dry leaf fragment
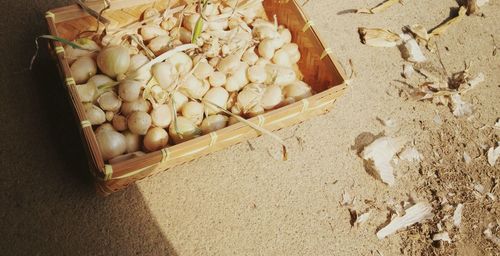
{"points": [[415, 214], [457, 215], [379, 8], [444, 27], [490, 236], [380, 154], [346, 199], [460, 108], [443, 236], [411, 50], [378, 37], [419, 32], [493, 154]]}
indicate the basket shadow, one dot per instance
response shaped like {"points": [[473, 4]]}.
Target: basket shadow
{"points": [[50, 206]]}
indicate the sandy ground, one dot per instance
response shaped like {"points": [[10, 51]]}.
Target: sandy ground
{"points": [[242, 201]]}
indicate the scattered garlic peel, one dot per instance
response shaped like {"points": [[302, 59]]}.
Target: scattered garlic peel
{"points": [[415, 214], [379, 8], [444, 236], [444, 27], [411, 155], [457, 215], [490, 236], [419, 31], [493, 154], [460, 108], [411, 50], [361, 219], [380, 153], [378, 37]]}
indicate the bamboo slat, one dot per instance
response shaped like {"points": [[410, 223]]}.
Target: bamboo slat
{"points": [[317, 64]]}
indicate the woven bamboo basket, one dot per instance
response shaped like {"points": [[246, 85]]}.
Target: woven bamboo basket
{"points": [[319, 67]]}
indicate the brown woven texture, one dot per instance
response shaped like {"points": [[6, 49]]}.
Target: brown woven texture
{"points": [[317, 64]]}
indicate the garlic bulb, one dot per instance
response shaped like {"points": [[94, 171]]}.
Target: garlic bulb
{"points": [[213, 123], [149, 32], [182, 62], [119, 123], [257, 74], [130, 90], [285, 35], [113, 61], [155, 139], [159, 44], [179, 99], [217, 96], [138, 105], [90, 46], [272, 97], [217, 79], [297, 90], [94, 114], [109, 116], [161, 116], [280, 75], [193, 111], [203, 70], [111, 144], [239, 78], [109, 101], [194, 88], [83, 69], [88, 92], [104, 127], [250, 96], [139, 122], [165, 74], [133, 141], [186, 128], [250, 57]]}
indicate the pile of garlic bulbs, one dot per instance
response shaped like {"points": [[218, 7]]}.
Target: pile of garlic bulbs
{"points": [[153, 84]]}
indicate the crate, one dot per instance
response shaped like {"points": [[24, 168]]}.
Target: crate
{"points": [[320, 69]]}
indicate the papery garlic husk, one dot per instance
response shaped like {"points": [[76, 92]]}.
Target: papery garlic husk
{"points": [[217, 96], [109, 101], [380, 154], [111, 144], [193, 111], [88, 92], [94, 114], [139, 122], [297, 90], [417, 213], [155, 139], [255, 111], [213, 123], [83, 69], [186, 128], [161, 116], [113, 61]]}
